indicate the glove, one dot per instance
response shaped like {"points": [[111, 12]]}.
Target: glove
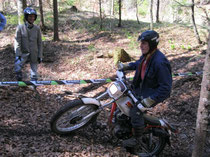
{"points": [[122, 66], [39, 60], [147, 102], [141, 107]]}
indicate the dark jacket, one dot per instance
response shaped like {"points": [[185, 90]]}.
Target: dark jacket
{"points": [[3, 21], [157, 80]]}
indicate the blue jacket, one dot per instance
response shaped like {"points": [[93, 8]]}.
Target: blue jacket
{"points": [[3, 21], [157, 80]]}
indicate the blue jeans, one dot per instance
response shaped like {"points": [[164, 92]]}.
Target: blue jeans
{"points": [[20, 63], [137, 120]]}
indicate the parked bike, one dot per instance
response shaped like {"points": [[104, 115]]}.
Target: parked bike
{"points": [[80, 112]]}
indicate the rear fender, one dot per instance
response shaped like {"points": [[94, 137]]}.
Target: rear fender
{"points": [[160, 132], [90, 101]]}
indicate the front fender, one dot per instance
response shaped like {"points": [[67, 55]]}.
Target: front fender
{"points": [[90, 101]]}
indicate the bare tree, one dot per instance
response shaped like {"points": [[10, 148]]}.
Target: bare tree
{"points": [[111, 12], [24, 4], [2, 5], [120, 5], [42, 26], [48, 3], [20, 11], [137, 12], [112, 8], [151, 14], [203, 113], [192, 6], [203, 109], [55, 17], [137, 9], [101, 20], [157, 12], [194, 24]]}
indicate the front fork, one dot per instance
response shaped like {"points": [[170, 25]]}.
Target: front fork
{"points": [[101, 107], [114, 106]]}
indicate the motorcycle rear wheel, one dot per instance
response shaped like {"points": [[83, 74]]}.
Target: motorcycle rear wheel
{"points": [[69, 118], [151, 145]]}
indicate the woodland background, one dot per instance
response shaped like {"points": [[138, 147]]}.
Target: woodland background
{"points": [[76, 46]]}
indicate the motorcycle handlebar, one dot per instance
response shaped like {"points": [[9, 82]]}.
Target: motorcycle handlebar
{"points": [[121, 75]]}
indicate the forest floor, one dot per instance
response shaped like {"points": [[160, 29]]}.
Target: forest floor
{"points": [[25, 114]]}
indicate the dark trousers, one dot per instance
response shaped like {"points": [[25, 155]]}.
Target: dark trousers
{"points": [[137, 120]]}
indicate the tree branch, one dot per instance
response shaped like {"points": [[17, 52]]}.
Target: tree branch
{"points": [[199, 3]]}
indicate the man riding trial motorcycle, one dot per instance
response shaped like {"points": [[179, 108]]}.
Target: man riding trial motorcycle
{"points": [[152, 82]]}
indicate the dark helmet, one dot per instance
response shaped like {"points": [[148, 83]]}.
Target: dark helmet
{"points": [[29, 11], [152, 37]]}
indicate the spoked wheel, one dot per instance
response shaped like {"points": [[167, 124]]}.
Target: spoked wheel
{"points": [[72, 117], [150, 145]]}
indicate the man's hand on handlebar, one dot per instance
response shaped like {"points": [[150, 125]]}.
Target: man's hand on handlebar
{"points": [[122, 67]]}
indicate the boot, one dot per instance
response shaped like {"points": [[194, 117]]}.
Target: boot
{"points": [[19, 76], [130, 143], [34, 78]]}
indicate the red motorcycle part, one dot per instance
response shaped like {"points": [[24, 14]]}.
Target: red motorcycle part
{"points": [[114, 106]]}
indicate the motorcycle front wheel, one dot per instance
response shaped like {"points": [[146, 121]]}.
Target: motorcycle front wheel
{"points": [[71, 117]]}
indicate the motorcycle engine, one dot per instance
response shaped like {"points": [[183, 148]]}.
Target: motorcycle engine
{"points": [[122, 126]]}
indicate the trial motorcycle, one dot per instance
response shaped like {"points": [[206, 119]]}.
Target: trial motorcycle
{"points": [[81, 112]]}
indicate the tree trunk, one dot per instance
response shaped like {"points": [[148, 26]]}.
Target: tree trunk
{"points": [[55, 17], [24, 4], [157, 13], [194, 24], [137, 12], [101, 20], [20, 11], [203, 109], [111, 12], [49, 3], [151, 14], [119, 24], [137, 9], [2, 5], [42, 26], [112, 7]]}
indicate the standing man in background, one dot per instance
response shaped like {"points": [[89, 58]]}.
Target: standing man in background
{"points": [[28, 45], [3, 22]]}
